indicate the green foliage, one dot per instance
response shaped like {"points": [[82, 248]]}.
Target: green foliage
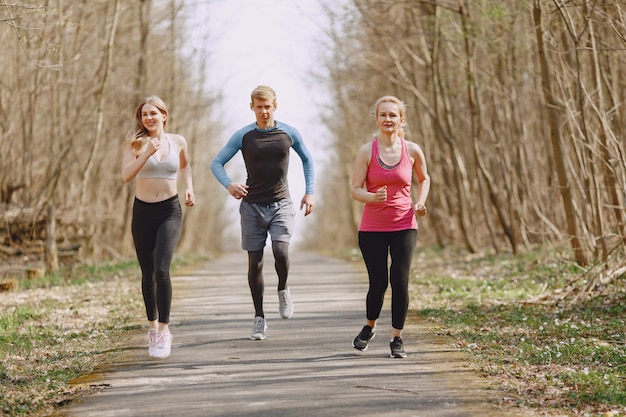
{"points": [[578, 350], [11, 320], [81, 274], [50, 341], [43, 350]]}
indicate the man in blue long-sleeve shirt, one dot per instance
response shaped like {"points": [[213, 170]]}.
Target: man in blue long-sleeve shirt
{"points": [[266, 205]]}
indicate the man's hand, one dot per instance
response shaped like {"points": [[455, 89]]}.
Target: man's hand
{"points": [[307, 203], [238, 190]]}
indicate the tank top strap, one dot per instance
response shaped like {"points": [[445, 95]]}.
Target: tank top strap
{"points": [[375, 152]]}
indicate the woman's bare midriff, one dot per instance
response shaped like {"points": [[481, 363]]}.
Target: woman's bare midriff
{"points": [[153, 190]]}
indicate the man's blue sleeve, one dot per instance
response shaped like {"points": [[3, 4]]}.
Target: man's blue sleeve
{"points": [[307, 160], [223, 156]]}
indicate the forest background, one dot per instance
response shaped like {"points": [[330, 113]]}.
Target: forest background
{"points": [[517, 105]]}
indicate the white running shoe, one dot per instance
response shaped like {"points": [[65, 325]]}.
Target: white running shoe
{"points": [[258, 329], [152, 338], [285, 305], [163, 345]]}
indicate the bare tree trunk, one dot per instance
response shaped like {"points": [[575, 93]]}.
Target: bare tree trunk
{"points": [[461, 181], [52, 255], [99, 112], [607, 168], [580, 127], [97, 136], [555, 135], [476, 123]]}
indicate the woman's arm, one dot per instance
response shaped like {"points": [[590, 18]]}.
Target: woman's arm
{"points": [[359, 174], [131, 164], [423, 179], [185, 171]]}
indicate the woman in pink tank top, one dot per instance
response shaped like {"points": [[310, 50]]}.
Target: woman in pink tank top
{"points": [[383, 171]]}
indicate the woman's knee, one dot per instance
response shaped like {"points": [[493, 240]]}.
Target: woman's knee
{"points": [[379, 287], [162, 274]]}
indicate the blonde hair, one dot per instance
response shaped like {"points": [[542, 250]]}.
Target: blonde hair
{"points": [[401, 107], [263, 92], [138, 136]]}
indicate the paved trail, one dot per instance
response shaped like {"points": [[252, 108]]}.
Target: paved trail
{"points": [[305, 367]]}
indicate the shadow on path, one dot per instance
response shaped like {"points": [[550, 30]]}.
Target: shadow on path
{"points": [[305, 367]]}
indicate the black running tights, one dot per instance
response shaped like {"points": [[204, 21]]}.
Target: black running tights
{"points": [[156, 228], [376, 248], [255, 273]]}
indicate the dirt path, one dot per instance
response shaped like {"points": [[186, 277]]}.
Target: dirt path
{"points": [[305, 367]]}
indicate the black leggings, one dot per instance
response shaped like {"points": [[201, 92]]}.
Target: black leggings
{"points": [[156, 228], [376, 248], [255, 273]]}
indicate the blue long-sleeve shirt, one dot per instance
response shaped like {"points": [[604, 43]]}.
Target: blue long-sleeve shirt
{"points": [[266, 156]]}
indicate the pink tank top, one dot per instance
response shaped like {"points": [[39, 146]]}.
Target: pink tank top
{"points": [[397, 212]]}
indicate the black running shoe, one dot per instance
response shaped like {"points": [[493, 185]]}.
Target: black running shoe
{"points": [[397, 348], [360, 342]]}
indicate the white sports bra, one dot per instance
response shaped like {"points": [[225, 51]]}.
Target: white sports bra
{"points": [[167, 168]]}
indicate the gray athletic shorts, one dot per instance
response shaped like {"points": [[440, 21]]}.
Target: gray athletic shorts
{"points": [[257, 220]]}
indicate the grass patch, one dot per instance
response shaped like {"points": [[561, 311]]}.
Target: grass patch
{"points": [[556, 358], [62, 326]]}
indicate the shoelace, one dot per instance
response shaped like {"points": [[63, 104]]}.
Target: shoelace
{"points": [[365, 336], [258, 325], [396, 344], [163, 339]]}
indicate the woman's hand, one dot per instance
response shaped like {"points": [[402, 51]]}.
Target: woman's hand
{"points": [[421, 210], [190, 198], [381, 194], [153, 146]]}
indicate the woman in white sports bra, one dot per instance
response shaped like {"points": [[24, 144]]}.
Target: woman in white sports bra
{"points": [[155, 158]]}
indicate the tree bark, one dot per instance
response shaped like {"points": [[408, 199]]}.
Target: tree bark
{"points": [[555, 137], [52, 254]]}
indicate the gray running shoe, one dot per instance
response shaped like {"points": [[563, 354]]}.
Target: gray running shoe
{"points": [[363, 338], [397, 348], [285, 305], [258, 329]]}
